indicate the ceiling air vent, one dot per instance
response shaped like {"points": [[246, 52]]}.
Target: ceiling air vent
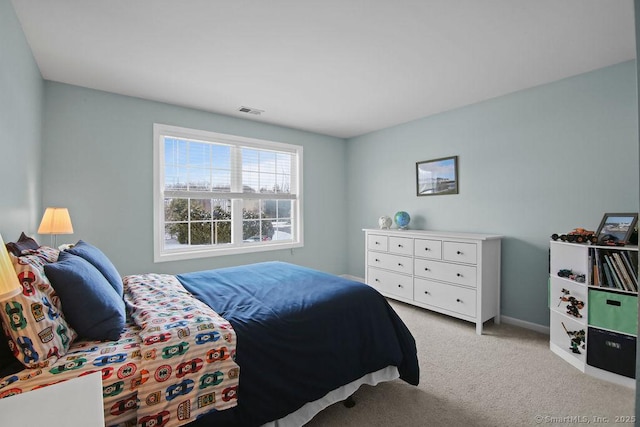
{"points": [[250, 110]]}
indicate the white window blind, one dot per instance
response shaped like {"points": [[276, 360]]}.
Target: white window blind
{"points": [[219, 194]]}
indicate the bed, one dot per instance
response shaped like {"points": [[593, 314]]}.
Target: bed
{"points": [[263, 344]]}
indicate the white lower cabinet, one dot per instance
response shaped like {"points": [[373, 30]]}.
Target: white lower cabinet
{"points": [[593, 314], [457, 274]]}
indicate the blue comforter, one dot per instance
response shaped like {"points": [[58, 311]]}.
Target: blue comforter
{"points": [[301, 333]]}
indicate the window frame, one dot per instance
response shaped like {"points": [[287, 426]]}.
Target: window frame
{"points": [[161, 254]]}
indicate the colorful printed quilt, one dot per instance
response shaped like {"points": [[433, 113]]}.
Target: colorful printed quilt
{"points": [[121, 374], [173, 362], [188, 351]]}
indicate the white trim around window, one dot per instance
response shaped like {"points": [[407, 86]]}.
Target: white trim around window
{"points": [[217, 194]]}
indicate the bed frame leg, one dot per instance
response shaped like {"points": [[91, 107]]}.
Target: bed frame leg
{"points": [[349, 402]]}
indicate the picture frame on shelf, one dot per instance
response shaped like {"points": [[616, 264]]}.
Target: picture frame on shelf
{"points": [[618, 225], [437, 176]]}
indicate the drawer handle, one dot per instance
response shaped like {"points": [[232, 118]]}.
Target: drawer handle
{"points": [[400, 246], [459, 253], [427, 249], [377, 260], [459, 274], [426, 292], [458, 300], [426, 269], [613, 302], [377, 243], [400, 265], [400, 286], [377, 280]]}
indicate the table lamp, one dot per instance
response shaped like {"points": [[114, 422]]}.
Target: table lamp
{"points": [[9, 283], [55, 221]]}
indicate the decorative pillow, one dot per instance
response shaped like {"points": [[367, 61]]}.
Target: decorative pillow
{"points": [[33, 318], [91, 305], [100, 261], [24, 243]]}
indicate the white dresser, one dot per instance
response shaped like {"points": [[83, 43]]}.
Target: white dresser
{"points": [[457, 274]]}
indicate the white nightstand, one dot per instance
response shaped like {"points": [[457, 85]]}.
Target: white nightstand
{"points": [[72, 403]]}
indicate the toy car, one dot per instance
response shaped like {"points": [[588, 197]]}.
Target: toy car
{"points": [[175, 350], [105, 360], [178, 324], [189, 367], [229, 393], [569, 274], [52, 312], [210, 380], [8, 381], [113, 389], [14, 312], [179, 389], [26, 279], [62, 333], [124, 405], [216, 354], [157, 420], [577, 235], [207, 337], [69, 366], [26, 346], [157, 338]]}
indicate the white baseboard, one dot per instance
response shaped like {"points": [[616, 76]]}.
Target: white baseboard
{"points": [[506, 319], [350, 277], [524, 324]]}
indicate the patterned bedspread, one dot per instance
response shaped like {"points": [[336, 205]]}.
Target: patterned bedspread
{"points": [[173, 362], [187, 349], [121, 376]]}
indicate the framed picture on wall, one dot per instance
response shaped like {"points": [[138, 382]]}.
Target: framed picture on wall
{"points": [[616, 227], [437, 177]]}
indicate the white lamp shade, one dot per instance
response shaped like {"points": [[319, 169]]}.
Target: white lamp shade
{"points": [[56, 221], [9, 283]]}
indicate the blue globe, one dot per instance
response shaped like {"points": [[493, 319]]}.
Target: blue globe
{"points": [[402, 220]]}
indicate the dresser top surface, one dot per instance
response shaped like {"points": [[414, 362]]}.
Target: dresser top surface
{"points": [[432, 233]]}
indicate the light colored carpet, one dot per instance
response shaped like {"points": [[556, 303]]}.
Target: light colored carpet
{"points": [[506, 377]]}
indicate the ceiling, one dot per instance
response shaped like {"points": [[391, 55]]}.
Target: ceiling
{"points": [[335, 67]]}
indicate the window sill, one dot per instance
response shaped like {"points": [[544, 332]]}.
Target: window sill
{"points": [[195, 253]]}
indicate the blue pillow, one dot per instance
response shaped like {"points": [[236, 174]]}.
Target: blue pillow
{"points": [[89, 303], [100, 261]]}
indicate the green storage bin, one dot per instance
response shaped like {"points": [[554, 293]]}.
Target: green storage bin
{"points": [[614, 311]]}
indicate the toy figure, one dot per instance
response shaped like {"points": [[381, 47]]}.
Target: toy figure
{"points": [[577, 339], [574, 306]]}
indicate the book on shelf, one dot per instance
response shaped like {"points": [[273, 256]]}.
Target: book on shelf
{"points": [[617, 269], [627, 281], [609, 282], [631, 269]]}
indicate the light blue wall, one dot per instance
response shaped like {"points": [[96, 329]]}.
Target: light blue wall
{"points": [[98, 163], [531, 163], [21, 92]]}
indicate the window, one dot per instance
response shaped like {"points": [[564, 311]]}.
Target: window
{"points": [[218, 194]]}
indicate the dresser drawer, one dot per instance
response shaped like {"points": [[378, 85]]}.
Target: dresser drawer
{"points": [[448, 297], [438, 270], [428, 248], [376, 242], [390, 283], [401, 245], [399, 263], [459, 252]]}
